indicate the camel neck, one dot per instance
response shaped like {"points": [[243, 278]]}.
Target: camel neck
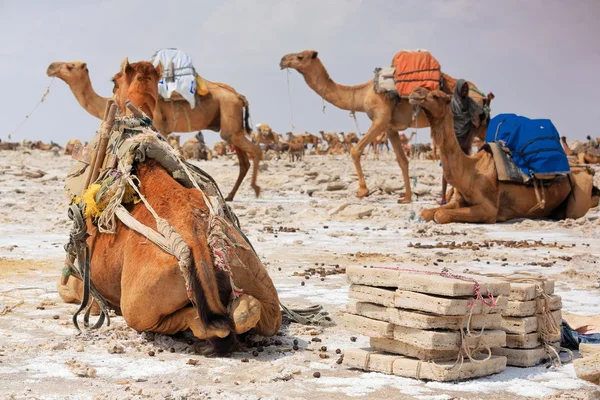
{"points": [[454, 161], [89, 99], [345, 97]]}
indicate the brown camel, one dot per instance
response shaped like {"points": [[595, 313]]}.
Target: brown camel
{"points": [[334, 146], [175, 141], [221, 110], [361, 98], [478, 195], [71, 145], [296, 148], [145, 282], [587, 156], [350, 140], [193, 149], [313, 140], [220, 149]]}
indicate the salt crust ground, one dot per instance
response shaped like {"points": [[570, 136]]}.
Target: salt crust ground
{"points": [[332, 228]]}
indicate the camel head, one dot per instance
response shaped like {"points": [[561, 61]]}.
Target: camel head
{"points": [[301, 62], [138, 83], [71, 72], [434, 102]]}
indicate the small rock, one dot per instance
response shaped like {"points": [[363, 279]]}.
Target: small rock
{"points": [[333, 186], [317, 374], [116, 349]]}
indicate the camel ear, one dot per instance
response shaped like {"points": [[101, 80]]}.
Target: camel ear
{"points": [[314, 54], [125, 64], [159, 70]]}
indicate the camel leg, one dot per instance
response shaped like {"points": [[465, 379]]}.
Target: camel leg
{"points": [[444, 189], [429, 213], [482, 213], [244, 167], [375, 129], [70, 290], [403, 163], [252, 150], [183, 319]]}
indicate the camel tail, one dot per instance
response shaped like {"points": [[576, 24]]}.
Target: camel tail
{"points": [[246, 115], [211, 290]]}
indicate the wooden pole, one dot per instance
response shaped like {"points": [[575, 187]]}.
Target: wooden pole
{"points": [[105, 130]]}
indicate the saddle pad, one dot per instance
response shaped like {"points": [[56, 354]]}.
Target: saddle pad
{"points": [[534, 144], [416, 69], [180, 80], [505, 166]]}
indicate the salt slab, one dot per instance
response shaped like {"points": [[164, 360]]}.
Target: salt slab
{"points": [[526, 324], [524, 357], [422, 339], [528, 308], [421, 320], [367, 360], [423, 282]]}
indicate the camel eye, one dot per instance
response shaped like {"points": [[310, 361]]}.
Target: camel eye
{"points": [[69, 67], [300, 57]]}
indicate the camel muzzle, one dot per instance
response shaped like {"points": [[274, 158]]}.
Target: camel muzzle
{"points": [[53, 69]]}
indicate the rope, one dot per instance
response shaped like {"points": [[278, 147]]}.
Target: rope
{"points": [[46, 93], [491, 302], [290, 99], [313, 315]]}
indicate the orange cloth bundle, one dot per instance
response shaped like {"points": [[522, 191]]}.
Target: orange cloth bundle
{"points": [[416, 69]]}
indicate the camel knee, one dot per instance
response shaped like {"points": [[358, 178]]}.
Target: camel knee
{"points": [[355, 152]]}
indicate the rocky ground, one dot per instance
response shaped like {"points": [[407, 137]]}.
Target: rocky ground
{"points": [[307, 226]]}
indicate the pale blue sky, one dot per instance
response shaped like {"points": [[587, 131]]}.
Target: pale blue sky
{"points": [[540, 58]]}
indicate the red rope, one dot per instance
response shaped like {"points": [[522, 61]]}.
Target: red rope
{"points": [[477, 288]]}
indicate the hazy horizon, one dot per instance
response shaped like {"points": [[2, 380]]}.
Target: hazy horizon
{"points": [[536, 56]]}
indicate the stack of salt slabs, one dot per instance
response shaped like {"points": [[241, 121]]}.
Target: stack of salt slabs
{"points": [[533, 312], [425, 324]]}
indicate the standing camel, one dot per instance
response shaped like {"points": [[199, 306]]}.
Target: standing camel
{"points": [[478, 195], [384, 112], [222, 109], [146, 283]]}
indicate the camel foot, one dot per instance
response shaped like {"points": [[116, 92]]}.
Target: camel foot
{"points": [[362, 192], [229, 197], [256, 190], [245, 312], [428, 215], [404, 199]]}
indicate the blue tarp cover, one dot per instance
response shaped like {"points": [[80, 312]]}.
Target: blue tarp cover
{"points": [[534, 143]]}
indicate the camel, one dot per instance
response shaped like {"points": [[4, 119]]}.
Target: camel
{"points": [[350, 140], [334, 146], [406, 141], [583, 154], [478, 195], [220, 149], [175, 141], [71, 145], [296, 148], [378, 143], [361, 98], [9, 145], [223, 109], [313, 140], [193, 149], [383, 111], [145, 282]]}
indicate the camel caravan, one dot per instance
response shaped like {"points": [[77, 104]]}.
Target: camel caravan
{"points": [[130, 241]]}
